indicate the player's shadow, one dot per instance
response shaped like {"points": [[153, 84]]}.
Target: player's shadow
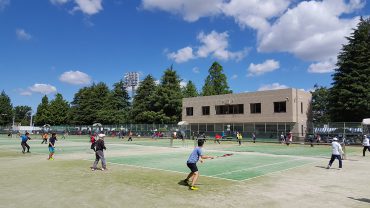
{"points": [[320, 166], [361, 199], [183, 183]]}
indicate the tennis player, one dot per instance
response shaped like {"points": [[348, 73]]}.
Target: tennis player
{"points": [[366, 145], [195, 156], [336, 153], [52, 140]]}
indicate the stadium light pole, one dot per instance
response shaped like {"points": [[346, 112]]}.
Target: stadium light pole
{"points": [[30, 112], [131, 79]]}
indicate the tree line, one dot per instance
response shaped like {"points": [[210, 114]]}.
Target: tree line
{"points": [[152, 103]]}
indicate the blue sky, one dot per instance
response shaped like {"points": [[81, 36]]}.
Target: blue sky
{"points": [[53, 46]]}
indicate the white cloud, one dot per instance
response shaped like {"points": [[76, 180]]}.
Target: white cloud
{"points": [[43, 88], [235, 76], [25, 93], [196, 70], [323, 66], [182, 55], [22, 34], [259, 69], [89, 7], [254, 13], [58, 2], [75, 78], [183, 84], [216, 44], [313, 31], [190, 10], [213, 44], [273, 86], [3, 4]]}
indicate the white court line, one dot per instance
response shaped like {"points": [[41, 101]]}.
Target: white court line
{"points": [[173, 171], [261, 166], [279, 171]]}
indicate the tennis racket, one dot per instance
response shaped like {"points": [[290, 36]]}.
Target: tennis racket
{"points": [[225, 155]]}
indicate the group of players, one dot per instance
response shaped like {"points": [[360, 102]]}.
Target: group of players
{"points": [[196, 155], [52, 140]]}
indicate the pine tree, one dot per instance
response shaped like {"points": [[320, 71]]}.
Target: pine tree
{"points": [[43, 115], [216, 81], [169, 98], [59, 110], [6, 109], [116, 106], [189, 90], [143, 110], [349, 98]]}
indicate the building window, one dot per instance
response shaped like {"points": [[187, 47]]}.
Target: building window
{"points": [[189, 111], [255, 107], [229, 109], [301, 107], [280, 107], [205, 110]]}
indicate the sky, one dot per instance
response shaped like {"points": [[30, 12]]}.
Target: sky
{"points": [[50, 46]]}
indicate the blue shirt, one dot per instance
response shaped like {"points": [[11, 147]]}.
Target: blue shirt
{"points": [[194, 156], [24, 138]]}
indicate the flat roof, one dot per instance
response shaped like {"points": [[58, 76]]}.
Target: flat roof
{"points": [[250, 93]]}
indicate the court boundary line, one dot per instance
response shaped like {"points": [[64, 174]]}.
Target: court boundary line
{"points": [[279, 171], [160, 169], [260, 166]]}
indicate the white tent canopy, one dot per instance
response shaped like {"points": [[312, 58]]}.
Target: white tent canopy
{"points": [[366, 121], [183, 123]]}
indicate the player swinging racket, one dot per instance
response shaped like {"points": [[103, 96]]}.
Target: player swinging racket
{"points": [[24, 144], [195, 156]]}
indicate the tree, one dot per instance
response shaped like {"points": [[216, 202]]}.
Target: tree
{"points": [[116, 106], [143, 110], [6, 109], [216, 81], [349, 98], [43, 115], [169, 98], [59, 110], [21, 114], [320, 104], [189, 90], [88, 104]]}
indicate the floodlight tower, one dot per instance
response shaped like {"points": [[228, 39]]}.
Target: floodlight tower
{"points": [[131, 79]]}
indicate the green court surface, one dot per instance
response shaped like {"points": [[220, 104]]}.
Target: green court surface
{"points": [[245, 163], [237, 167]]}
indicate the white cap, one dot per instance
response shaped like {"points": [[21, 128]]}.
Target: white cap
{"points": [[335, 139], [101, 135]]}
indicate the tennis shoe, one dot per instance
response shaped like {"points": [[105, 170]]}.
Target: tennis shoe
{"points": [[194, 188], [328, 167]]}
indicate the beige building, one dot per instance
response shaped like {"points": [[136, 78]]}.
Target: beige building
{"points": [[265, 112]]}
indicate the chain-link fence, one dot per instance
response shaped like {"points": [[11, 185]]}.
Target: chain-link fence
{"points": [[267, 131]]}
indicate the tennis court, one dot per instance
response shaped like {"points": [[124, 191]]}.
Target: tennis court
{"points": [[148, 172], [246, 163]]}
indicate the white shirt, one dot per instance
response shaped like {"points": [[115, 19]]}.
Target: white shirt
{"points": [[366, 142], [336, 148]]}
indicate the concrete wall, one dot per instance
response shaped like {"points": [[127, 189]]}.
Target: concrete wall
{"points": [[292, 97]]}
